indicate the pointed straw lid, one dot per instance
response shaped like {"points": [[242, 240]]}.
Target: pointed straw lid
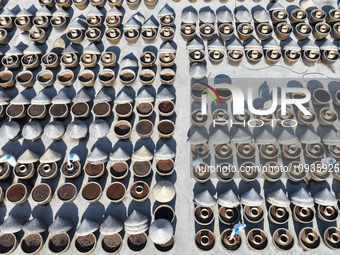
{"points": [[243, 16], [14, 51], [167, 48], [135, 219], [60, 12], [325, 198], [81, 96], [95, 12], [331, 138], [77, 24], [114, 12], [60, 225], [195, 44], [234, 44], [145, 96], [70, 49], [198, 71], [290, 44], [50, 156], [7, 13], [132, 24], [54, 130], [32, 130], [228, 199], [135, 230], [189, 17], [102, 97], [10, 130], [87, 227], [270, 44], [28, 157], [97, 156], [41, 99], [224, 16], [77, 129], [278, 198], [241, 136], [309, 137], [308, 44], [4, 98], [61, 98], [161, 231], [252, 44], [142, 154], [261, 16], [219, 137], [164, 191], [302, 198], [92, 49], [276, 6], [20, 99], [33, 49], [34, 226], [165, 94], [44, 11], [307, 5], [204, 199], [11, 225], [128, 62], [197, 138], [207, 16], [251, 198], [287, 138], [150, 23], [111, 226], [216, 44], [265, 137], [99, 128], [24, 13], [166, 10], [123, 98], [120, 155], [165, 152]]}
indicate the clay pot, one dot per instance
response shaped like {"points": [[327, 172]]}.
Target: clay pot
{"points": [[216, 56], [244, 31], [87, 78], [333, 16], [287, 117], [69, 60], [15, 111], [253, 214], [334, 151], [113, 35], [88, 60], [283, 239], [24, 171], [131, 35], [71, 171], [230, 245], [331, 237], [122, 129], [37, 111], [127, 76], [198, 119], [278, 215], [133, 4], [30, 61], [137, 243], [150, 3], [296, 171], [67, 192], [272, 56], [321, 30], [167, 33], [245, 150], [165, 167], [225, 31], [269, 151], [141, 168], [108, 59], [101, 110], [229, 216], [119, 170], [279, 16], [303, 119], [147, 76], [59, 111], [196, 56], [167, 59], [139, 191], [292, 151], [11, 62], [47, 3], [164, 212], [283, 31], [17, 193], [23, 23], [207, 31], [149, 34], [80, 4], [200, 150], [144, 109], [32, 243], [205, 239], [6, 23], [317, 173], [63, 3], [85, 244], [6, 79], [314, 151], [204, 215], [147, 59], [59, 23], [94, 21], [167, 20], [4, 39], [329, 57], [317, 16], [309, 239], [327, 116], [335, 32], [254, 56], [321, 97], [94, 170], [80, 110], [257, 239], [48, 170], [303, 214], [166, 108], [166, 128], [235, 57], [297, 16], [188, 31], [66, 78], [59, 243], [107, 77], [38, 36], [45, 78], [113, 21], [291, 56], [144, 128], [225, 172], [5, 170], [327, 213], [264, 31], [201, 173], [249, 171], [98, 3], [50, 60], [75, 36], [123, 110], [25, 78], [272, 171], [11, 243], [93, 35], [42, 194], [92, 192], [111, 243]]}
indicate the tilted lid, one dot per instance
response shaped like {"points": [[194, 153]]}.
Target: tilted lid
{"points": [[251, 198], [54, 130], [50, 156], [10, 130], [87, 227], [32, 130], [164, 191], [276, 6], [34, 226], [204, 199], [161, 231], [99, 128], [110, 226], [60, 225], [228, 199], [278, 198], [28, 157], [11, 225], [77, 129]]}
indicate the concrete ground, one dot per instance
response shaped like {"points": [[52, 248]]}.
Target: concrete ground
{"points": [[186, 186]]}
